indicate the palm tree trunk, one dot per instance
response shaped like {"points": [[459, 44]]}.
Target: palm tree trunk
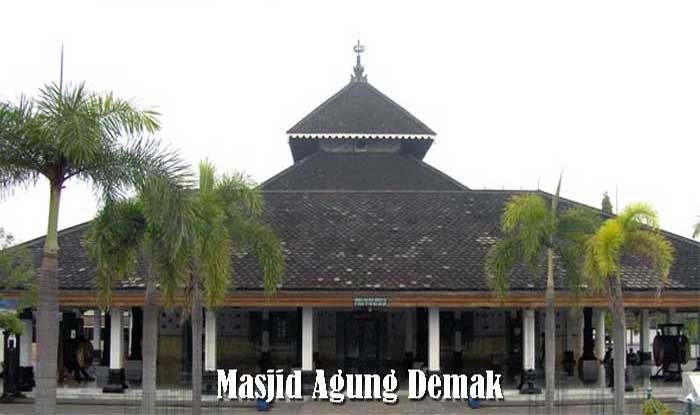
{"points": [[550, 336], [619, 347], [196, 351], [150, 348], [47, 307]]}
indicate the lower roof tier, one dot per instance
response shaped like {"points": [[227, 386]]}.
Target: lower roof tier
{"points": [[381, 241]]}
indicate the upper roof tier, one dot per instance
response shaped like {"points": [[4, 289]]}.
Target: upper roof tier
{"points": [[359, 109]]}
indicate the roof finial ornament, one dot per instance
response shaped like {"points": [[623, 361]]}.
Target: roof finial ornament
{"points": [[358, 70]]}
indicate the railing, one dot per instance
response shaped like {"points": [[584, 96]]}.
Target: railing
{"points": [[689, 406]]}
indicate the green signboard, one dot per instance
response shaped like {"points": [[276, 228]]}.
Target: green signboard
{"points": [[371, 302]]}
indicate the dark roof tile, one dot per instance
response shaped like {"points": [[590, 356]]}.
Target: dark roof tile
{"points": [[326, 171], [360, 108], [382, 241]]}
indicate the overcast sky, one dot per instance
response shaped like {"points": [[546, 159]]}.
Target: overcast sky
{"points": [[516, 91]]}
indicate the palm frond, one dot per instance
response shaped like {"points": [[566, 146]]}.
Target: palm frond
{"points": [[212, 245], [120, 117], [500, 261], [114, 240], [228, 211], [21, 146], [207, 177], [76, 130], [592, 271], [171, 269], [606, 250], [170, 211], [82, 122], [241, 195], [116, 170], [527, 220], [577, 225], [637, 214], [214, 267], [262, 243], [633, 232]]}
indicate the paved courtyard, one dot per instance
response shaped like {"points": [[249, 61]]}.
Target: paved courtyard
{"points": [[572, 398], [365, 408]]}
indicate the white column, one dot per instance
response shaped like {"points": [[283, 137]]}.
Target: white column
{"points": [[434, 339], [600, 345], [97, 330], [210, 341], [25, 344], [644, 331], [529, 339], [307, 339], [2, 346], [116, 342], [265, 334], [410, 339], [458, 331]]}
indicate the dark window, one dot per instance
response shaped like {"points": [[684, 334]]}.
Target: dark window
{"points": [[447, 330], [279, 328]]}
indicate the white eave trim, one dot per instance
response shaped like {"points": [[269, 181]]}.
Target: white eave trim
{"points": [[367, 136]]}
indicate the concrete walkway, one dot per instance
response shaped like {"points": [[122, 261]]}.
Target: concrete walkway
{"points": [[361, 408], [567, 394], [572, 398]]}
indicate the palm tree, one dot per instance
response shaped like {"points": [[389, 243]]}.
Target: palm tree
{"points": [[533, 231], [187, 238], [152, 225], [229, 209], [634, 232], [71, 133]]}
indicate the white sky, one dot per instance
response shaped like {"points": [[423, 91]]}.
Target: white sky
{"points": [[609, 91]]}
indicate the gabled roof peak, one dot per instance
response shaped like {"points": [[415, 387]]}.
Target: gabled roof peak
{"points": [[360, 108], [359, 111]]}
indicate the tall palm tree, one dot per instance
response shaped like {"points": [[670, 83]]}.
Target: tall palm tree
{"points": [[533, 231], [634, 232], [229, 209], [153, 225], [72, 133], [187, 238]]}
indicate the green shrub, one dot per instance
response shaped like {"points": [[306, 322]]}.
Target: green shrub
{"points": [[655, 407], [9, 322]]}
